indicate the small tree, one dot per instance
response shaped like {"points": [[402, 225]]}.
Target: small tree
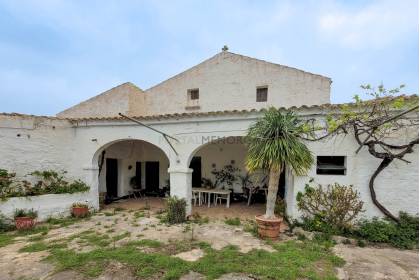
{"points": [[273, 143], [373, 124]]}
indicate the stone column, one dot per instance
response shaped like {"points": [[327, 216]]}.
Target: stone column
{"points": [[180, 184], [92, 180]]}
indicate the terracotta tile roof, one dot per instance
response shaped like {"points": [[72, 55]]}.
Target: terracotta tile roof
{"points": [[328, 106]]}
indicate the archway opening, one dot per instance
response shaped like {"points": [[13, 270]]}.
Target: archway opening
{"points": [[132, 169], [220, 165]]}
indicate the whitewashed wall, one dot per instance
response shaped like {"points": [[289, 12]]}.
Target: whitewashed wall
{"points": [[128, 152], [75, 147], [223, 153], [49, 205]]}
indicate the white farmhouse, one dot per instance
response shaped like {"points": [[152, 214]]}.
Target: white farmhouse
{"points": [[206, 110]]}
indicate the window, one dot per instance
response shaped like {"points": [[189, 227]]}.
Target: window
{"points": [[193, 94], [331, 165], [262, 94]]}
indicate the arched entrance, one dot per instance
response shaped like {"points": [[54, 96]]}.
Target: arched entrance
{"points": [[131, 167], [220, 164]]}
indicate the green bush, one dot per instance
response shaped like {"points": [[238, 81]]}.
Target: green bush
{"points": [[404, 234], [377, 230], [176, 210], [317, 223], [336, 206]]}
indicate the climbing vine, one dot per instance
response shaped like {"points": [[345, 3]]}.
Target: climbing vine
{"points": [[47, 182], [386, 125]]}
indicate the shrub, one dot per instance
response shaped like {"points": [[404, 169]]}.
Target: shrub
{"points": [[25, 213], [317, 223], [53, 182], [407, 234], [404, 234], [376, 230], [80, 205], [175, 210], [6, 179], [6, 224], [336, 206], [49, 182]]}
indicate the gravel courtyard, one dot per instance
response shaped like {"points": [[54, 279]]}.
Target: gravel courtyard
{"points": [[114, 242]]}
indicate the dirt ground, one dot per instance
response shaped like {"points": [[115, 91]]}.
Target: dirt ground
{"points": [[377, 263], [219, 212], [361, 263]]}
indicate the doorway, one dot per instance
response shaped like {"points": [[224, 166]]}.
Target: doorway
{"points": [[112, 177], [195, 165], [282, 184], [152, 177]]}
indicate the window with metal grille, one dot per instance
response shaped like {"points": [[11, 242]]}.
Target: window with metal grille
{"points": [[262, 94], [193, 94], [331, 165]]}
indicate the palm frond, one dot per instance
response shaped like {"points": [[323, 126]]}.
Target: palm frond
{"points": [[273, 142]]}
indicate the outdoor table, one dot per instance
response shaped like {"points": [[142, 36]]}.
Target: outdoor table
{"points": [[210, 192]]}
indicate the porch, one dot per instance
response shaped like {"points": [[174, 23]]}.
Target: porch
{"points": [[219, 212]]}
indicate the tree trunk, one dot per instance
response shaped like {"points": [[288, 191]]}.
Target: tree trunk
{"points": [[273, 186], [385, 162]]}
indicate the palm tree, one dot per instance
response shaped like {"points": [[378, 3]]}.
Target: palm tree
{"points": [[273, 143]]}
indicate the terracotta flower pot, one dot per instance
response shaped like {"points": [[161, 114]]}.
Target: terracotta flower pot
{"points": [[268, 228], [23, 223], [80, 212]]}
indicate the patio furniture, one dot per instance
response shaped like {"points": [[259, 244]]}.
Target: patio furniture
{"points": [[135, 193], [203, 192], [220, 197], [261, 178]]}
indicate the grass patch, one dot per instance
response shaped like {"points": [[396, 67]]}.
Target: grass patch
{"points": [[233, 221], [6, 239], [139, 214], [34, 247], [121, 236], [62, 222], [251, 227], [291, 260]]}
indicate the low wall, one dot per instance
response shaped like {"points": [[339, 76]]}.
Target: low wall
{"points": [[48, 205]]}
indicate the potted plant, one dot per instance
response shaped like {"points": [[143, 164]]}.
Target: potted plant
{"points": [[80, 209], [274, 142], [25, 219]]}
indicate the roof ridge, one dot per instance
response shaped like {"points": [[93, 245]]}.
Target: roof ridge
{"points": [[278, 64], [186, 70], [108, 91], [236, 54]]}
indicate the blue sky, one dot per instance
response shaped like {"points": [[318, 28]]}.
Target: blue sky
{"points": [[54, 54]]}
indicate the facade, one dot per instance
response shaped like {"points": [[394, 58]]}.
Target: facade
{"points": [[207, 109]]}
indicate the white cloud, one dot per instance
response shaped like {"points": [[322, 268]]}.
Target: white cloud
{"points": [[373, 26]]}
